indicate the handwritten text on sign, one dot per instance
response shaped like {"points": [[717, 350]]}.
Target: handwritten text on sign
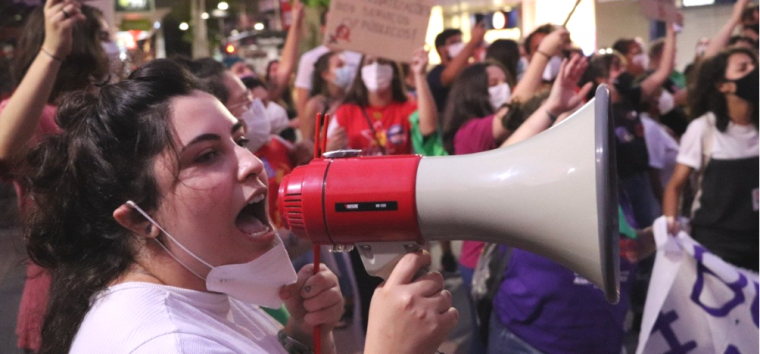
{"points": [[391, 29]]}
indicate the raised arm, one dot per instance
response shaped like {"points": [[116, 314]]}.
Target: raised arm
{"points": [[650, 85], [550, 46], [562, 99], [425, 102], [672, 195], [289, 54], [19, 119], [721, 38], [462, 59]]}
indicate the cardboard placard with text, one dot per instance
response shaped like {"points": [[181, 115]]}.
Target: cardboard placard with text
{"points": [[390, 29], [661, 10]]}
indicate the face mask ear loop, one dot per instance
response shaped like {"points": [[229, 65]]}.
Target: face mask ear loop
{"points": [[134, 206]]}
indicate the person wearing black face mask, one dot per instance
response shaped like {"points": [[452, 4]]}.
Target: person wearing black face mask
{"points": [[721, 147]]}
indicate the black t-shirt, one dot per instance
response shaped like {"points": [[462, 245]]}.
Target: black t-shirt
{"points": [[437, 88], [631, 149]]}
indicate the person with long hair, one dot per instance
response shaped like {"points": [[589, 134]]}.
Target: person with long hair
{"points": [[720, 147], [330, 81], [375, 114], [174, 249], [59, 51]]}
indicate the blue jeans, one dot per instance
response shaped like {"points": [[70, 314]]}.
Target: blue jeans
{"points": [[476, 345], [502, 341]]}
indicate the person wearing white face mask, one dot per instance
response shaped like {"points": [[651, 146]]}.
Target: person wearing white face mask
{"points": [[375, 115], [375, 118], [455, 55], [176, 247]]}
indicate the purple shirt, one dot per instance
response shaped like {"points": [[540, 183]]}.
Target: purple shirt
{"points": [[476, 135], [557, 311]]}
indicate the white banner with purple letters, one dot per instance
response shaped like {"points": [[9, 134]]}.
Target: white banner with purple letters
{"points": [[697, 303]]}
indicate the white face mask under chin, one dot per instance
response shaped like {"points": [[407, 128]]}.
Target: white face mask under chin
{"points": [[257, 282]]}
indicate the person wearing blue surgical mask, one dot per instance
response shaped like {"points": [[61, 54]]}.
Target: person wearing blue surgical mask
{"points": [[330, 81]]}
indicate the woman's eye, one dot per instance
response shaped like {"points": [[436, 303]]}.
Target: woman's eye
{"points": [[206, 157], [243, 142]]}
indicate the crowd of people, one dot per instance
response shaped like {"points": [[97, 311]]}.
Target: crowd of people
{"points": [[149, 201]]}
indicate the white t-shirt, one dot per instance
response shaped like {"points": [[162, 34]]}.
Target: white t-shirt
{"points": [[737, 142], [306, 65], [146, 318], [662, 148]]}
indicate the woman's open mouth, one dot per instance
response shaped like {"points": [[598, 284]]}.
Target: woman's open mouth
{"points": [[253, 220]]}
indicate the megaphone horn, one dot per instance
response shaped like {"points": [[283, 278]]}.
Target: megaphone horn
{"points": [[554, 194]]}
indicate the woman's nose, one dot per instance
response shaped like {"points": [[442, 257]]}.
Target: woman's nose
{"points": [[249, 166]]}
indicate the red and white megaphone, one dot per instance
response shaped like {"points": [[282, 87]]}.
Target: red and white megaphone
{"points": [[554, 194]]}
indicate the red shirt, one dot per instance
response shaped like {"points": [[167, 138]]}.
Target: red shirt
{"points": [[390, 123], [276, 158]]}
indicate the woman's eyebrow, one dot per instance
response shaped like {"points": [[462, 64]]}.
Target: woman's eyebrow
{"points": [[200, 138]]}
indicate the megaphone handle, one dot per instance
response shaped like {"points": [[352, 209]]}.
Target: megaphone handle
{"points": [[380, 258]]}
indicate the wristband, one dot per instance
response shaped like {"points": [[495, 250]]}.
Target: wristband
{"points": [[42, 49]]}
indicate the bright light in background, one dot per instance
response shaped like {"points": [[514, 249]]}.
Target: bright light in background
{"points": [[435, 26], [204, 15], [184, 26], [697, 2], [234, 32], [258, 26], [230, 49], [157, 25], [223, 6], [582, 25], [499, 19]]}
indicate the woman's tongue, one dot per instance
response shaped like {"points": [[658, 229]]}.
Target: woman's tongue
{"points": [[249, 223]]}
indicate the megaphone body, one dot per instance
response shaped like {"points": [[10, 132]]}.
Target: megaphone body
{"points": [[553, 194]]}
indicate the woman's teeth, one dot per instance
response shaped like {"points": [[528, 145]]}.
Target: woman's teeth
{"points": [[260, 233], [257, 199]]}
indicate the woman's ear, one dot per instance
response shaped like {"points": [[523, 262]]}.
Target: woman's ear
{"points": [[126, 216]]}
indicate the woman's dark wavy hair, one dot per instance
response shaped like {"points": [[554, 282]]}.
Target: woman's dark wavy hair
{"points": [[87, 63], [507, 53], [103, 157], [468, 99], [318, 83], [704, 95], [358, 93]]}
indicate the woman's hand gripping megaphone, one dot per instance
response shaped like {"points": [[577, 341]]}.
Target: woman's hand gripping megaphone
{"points": [[410, 312]]}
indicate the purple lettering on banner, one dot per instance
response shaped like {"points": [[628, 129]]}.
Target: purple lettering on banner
{"points": [[732, 350], [663, 325], [736, 287], [754, 306]]}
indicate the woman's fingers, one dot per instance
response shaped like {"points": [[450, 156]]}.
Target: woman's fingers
{"points": [[428, 285]]}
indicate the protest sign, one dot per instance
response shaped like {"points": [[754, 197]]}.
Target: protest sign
{"points": [[661, 10], [697, 303], [390, 29]]}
